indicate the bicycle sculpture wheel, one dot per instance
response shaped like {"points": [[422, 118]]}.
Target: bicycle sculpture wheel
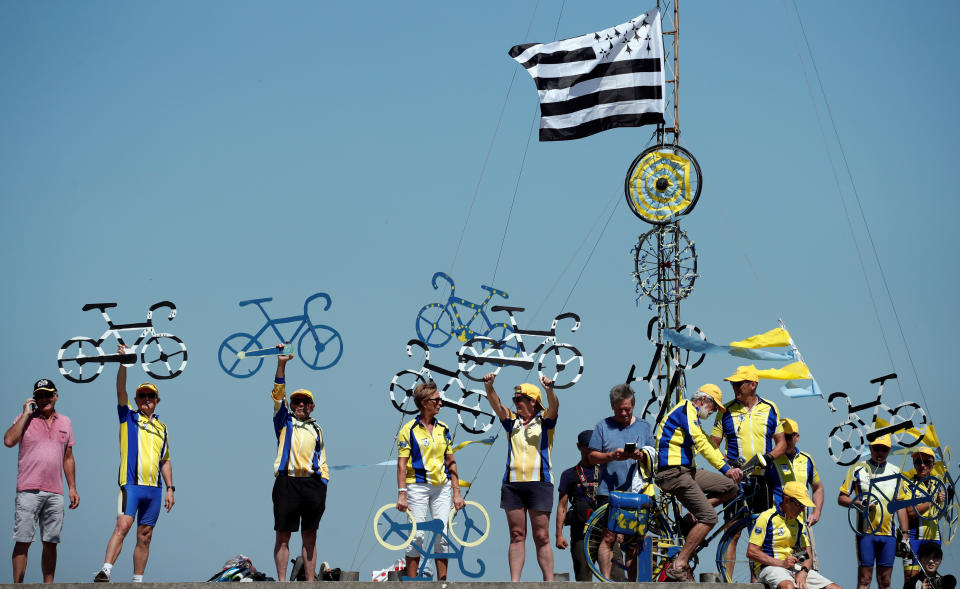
{"points": [[78, 360], [845, 443], [467, 527], [395, 523], [163, 356], [434, 325], [663, 183], [320, 347], [665, 265], [401, 391], [229, 355]]}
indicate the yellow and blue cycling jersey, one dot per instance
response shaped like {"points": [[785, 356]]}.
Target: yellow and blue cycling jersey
{"points": [[528, 451], [748, 432], [883, 486], [143, 446], [300, 448], [777, 536], [799, 467], [927, 529], [426, 453], [680, 436]]}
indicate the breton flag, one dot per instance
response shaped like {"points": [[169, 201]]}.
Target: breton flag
{"points": [[598, 81]]}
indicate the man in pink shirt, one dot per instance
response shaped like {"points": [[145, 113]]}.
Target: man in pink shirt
{"points": [[46, 454]]}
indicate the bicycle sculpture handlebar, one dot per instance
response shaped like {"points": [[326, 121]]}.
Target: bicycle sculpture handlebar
{"points": [[160, 305]]}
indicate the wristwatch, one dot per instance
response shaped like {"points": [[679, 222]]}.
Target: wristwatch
{"points": [[172, 488]]}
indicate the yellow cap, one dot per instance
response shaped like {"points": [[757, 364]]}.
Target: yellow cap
{"points": [[789, 426], [798, 491], [715, 393], [302, 393], [744, 373], [924, 450], [529, 390], [882, 441], [148, 386]]}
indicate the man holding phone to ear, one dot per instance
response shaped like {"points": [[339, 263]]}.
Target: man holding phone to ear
{"points": [[46, 455]]}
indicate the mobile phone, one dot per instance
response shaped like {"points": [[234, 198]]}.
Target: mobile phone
{"points": [[33, 405], [630, 447]]}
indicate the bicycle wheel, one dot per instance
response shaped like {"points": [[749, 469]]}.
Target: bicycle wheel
{"points": [[845, 443], [592, 535], [735, 570], [951, 518], [399, 523], [163, 356], [401, 391], [665, 265], [477, 420], [908, 411], [663, 183], [231, 363], [320, 347], [500, 332], [665, 538], [472, 534], [928, 490], [434, 325], [76, 354], [471, 358], [563, 363], [868, 518]]}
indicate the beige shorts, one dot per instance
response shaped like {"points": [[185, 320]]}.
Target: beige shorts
{"points": [[772, 576]]}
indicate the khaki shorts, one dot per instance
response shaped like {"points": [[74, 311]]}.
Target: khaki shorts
{"points": [[693, 487], [772, 576]]}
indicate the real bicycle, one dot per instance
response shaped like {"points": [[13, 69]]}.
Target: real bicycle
{"points": [[405, 381], [560, 362], [435, 322], [320, 346], [162, 356]]}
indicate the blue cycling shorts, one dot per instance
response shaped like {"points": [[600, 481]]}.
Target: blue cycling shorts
{"points": [[141, 501], [876, 549]]}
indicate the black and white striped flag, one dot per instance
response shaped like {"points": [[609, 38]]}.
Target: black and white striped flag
{"points": [[598, 81]]}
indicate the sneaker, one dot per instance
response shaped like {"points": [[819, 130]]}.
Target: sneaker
{"points": [[102, 577]]}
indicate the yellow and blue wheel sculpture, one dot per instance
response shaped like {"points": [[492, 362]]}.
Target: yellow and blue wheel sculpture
{"points": [[663, 183]]}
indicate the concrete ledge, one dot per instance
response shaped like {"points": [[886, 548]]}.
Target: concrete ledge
{"points": [[395, 585]]}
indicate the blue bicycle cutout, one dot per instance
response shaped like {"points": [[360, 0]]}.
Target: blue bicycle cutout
{"points": [[396, 530], [437, 323], [320, 346]]}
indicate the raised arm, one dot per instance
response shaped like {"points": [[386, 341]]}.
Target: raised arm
{"points": [[553, 410], [498, 408], [122, 398], [15, 432]]}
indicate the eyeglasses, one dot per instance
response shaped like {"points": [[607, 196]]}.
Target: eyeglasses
{"points": [[147, 396], [43, 395], [436, 400], [919, 461], [299, 401]]}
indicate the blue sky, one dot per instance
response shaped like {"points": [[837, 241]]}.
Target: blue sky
{"points": [[211, 153]]}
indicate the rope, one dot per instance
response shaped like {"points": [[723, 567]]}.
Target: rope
{"points": [[856, 193]]}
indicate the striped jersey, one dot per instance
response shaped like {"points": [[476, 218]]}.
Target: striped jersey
{"points": [[748, 432], [883, 486], [784, 469], [426, 453], [528, 450], [680, 436], [300, 448], [776, 535], [143, 446]]}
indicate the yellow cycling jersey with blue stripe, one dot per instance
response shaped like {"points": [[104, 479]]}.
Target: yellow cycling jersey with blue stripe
{"points": [[748, 432], [529, 448], [880, 485], [799, 468], [300, 448], [426, 452], [680, 436], [926, 529], [776, 535], [143, 446]]}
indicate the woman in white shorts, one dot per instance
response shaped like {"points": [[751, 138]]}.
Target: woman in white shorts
{"points": [[427, 478]]}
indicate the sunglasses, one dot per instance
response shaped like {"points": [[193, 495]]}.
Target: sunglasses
{"points": [[43, 395], [299, 401], [927, 462], [518, 398], [147, 396], [436, 400]]}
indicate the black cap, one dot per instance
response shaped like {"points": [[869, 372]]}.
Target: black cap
{"points": [[44, 385], [584, 438]]}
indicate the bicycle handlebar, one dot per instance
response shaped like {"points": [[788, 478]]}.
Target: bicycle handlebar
{"points": [[161, 304], [255, 301], [319, 295], [101, 306], [445, 277]]}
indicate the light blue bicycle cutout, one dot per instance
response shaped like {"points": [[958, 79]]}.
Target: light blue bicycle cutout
{"points": [[436, 322], [320, 346], [466, 528]]}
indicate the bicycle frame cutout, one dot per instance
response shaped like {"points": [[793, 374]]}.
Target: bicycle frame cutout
{"points": [[874, 495], [405, 381], [848, 440], [163, 355], [435, 322], [320, 346], [511, 351]]}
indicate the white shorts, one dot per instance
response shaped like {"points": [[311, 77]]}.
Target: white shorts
{"points": [[772, 576], [428, 503]]}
